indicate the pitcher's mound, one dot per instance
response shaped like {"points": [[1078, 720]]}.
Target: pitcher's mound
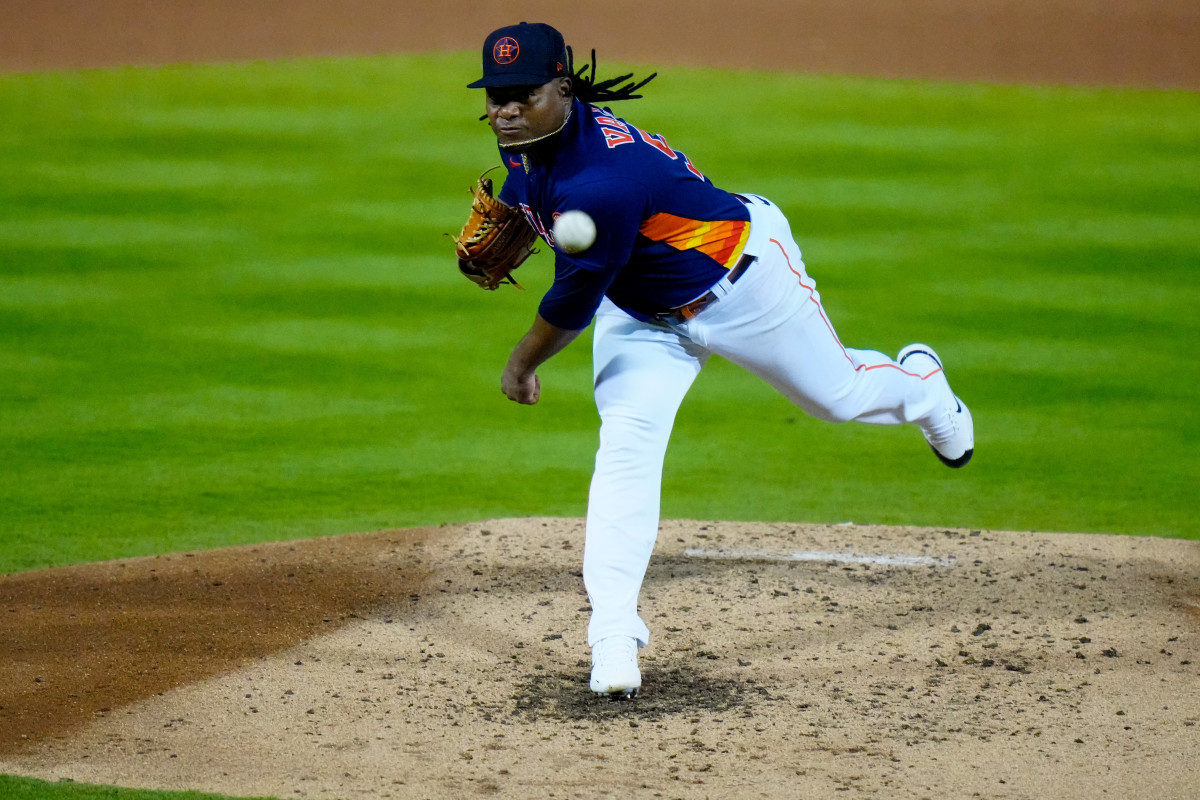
{"points": [[786, 661]]}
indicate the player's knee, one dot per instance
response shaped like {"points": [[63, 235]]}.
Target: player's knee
{"points": [[633, 436]]}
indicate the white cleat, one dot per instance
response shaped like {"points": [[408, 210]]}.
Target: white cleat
{"points": [[615, 670], [951, 432]]}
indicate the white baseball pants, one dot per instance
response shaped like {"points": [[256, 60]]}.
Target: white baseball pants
{"points": [[770, 322]]}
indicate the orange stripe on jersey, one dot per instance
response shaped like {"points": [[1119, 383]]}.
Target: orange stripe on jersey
{"points": [[722, 240]]}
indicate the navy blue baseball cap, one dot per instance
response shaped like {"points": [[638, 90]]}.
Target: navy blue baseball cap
{"points": [[528, 54]]}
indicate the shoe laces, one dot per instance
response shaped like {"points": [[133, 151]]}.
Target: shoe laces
{"points": [[946, 427], [614, 649]]}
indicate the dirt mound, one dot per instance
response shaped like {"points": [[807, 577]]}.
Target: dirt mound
{"points": [[789, 660], [81, 641]]}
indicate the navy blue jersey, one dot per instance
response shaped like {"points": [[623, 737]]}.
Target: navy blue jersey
{"points": [[665, 233]]}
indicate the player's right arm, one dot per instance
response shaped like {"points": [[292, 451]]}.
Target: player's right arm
{"points": [[519, 382], [579, 284], [617, 207]]}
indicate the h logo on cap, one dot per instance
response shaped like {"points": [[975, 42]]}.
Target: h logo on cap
{"points": [[527, 54], [506, 50]]}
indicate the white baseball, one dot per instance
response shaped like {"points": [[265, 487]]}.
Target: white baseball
{"points": [[574, 231]]}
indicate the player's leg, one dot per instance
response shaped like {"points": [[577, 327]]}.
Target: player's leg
{"points": [[642, 374], [773, 324]]}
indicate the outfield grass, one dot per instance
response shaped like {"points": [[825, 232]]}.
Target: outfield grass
{"points": [[228, 313]]}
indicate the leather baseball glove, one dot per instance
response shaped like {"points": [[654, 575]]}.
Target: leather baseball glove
{"points": [[495, 240]]}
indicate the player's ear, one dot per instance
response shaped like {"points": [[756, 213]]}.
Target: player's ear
{"points": [[566, 88]]}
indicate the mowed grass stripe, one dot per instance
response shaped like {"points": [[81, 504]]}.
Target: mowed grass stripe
{"points": [[228, 312]]}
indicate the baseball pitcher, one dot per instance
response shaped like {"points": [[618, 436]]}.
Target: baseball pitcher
{"points": [[673, 270]]}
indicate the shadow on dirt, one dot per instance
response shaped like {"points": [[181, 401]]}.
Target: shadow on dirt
{"points": [[676, 691]]}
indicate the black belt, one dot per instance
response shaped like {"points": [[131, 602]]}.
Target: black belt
{"points": [[688, 310]]}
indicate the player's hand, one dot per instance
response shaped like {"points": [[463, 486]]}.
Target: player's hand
{"points": [[521, 388]]}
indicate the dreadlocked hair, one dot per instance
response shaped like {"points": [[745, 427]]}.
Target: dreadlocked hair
{"points": [[589, 90]]}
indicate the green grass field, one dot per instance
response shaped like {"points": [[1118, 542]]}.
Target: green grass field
{"points": [[228, 312], [12, 788]]}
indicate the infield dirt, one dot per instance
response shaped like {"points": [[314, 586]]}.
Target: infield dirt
{"points": [[787, 660], [1105, 42]]}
